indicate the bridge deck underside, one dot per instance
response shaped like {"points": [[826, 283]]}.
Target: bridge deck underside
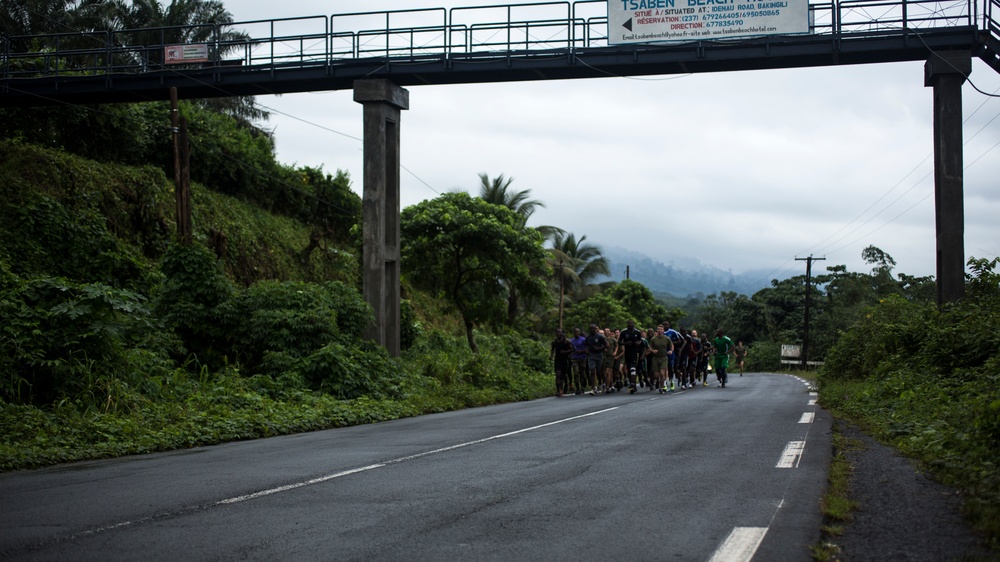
{"points": [[556, 64]]}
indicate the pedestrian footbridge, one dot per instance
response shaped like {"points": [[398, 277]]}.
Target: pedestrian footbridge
{"points": [[535, 41]]}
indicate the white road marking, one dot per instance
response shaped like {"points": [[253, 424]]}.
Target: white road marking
{"points": [[399, 460], [793, 452], [740, 545], [807, 417], [811, 402]]}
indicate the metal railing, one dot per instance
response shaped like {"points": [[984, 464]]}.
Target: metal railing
{"points": [[503, 30]]}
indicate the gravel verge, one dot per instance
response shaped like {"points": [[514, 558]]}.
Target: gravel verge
{"points": [[903, 514]]}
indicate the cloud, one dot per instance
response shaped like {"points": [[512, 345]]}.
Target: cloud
{"points": [[740, 170]]}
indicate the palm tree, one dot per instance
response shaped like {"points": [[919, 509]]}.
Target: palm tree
{"points": [[498, 192], [576, 264], [150, 24]]}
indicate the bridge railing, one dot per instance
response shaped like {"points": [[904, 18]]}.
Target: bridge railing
{"points": [[502, 30], [278, 42], [991, 17], [858, 17]]}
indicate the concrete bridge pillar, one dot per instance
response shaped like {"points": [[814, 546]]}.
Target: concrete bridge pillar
{"points": [[946, 72], [383, 102]]}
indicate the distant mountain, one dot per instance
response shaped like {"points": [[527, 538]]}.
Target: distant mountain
{"points": [[681, 277]]}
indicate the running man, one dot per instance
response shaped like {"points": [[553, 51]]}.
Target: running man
{"points": [[661, 348], [559, 353], [723, 347], [631, 342], [741, 354], [678, 340], [596, 345], [578, 360], [610, 361]]}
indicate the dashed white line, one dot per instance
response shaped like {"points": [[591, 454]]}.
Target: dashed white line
{"points": [[740, 545], [807, 417], [790, 457]]}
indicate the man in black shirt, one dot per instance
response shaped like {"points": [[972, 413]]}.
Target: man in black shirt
{"points": [[631, 341], [559, 353], [596, 344]]}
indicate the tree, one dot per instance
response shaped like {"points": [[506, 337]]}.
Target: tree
{"points": [[577, 264], [739, 316], [498, 192], [604, 310], [460, 248], [151, 24], [882, 282], [638, 300]]}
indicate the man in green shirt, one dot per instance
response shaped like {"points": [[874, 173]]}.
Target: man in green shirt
{"points": [[723, 347]]}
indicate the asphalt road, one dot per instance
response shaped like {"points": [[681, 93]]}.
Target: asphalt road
{"points": [[730, 474]]}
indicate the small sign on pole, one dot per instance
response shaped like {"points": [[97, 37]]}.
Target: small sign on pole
{"points": [[790, 351], [183, 54]]}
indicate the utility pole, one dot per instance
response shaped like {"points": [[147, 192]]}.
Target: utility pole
{"points": [[182, 169], [805, 330]]}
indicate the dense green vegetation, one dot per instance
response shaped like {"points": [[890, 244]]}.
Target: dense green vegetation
{"points": [[116, 340], [927, 381]]}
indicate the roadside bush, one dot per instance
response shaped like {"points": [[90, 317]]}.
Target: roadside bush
{"points": [[763, 356], [352, 371], [273, 324], [504, 367], [895, 328], [91, 342], [190, 300]]}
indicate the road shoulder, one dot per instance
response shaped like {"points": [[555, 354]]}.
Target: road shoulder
{"points": [[902, 513]]}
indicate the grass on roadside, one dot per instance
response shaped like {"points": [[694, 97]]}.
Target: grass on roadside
{"points": [[837, 505]]}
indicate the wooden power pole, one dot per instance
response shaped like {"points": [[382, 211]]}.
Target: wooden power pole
{"points": [[805, 329]]}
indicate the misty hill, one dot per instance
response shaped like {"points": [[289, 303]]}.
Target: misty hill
{"points": [[682, 276]]}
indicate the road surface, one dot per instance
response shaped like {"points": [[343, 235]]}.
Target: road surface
{"points": [[707, 474]]}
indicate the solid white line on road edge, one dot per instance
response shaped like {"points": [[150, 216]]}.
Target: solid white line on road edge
{"points": [[807, 417], [399, 460], [740, 545], [793, 452]]}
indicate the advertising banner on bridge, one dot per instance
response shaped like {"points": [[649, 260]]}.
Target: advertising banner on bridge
{"points": [[644, 21]]}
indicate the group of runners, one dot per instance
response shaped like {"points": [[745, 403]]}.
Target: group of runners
{"points": [[661, 359]]}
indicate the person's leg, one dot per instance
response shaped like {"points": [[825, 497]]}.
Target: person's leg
{"points": [[670, 372], [630, 366], [579, 374]]}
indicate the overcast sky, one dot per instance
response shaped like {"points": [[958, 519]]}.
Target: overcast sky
{"points": [[741, 170]]}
